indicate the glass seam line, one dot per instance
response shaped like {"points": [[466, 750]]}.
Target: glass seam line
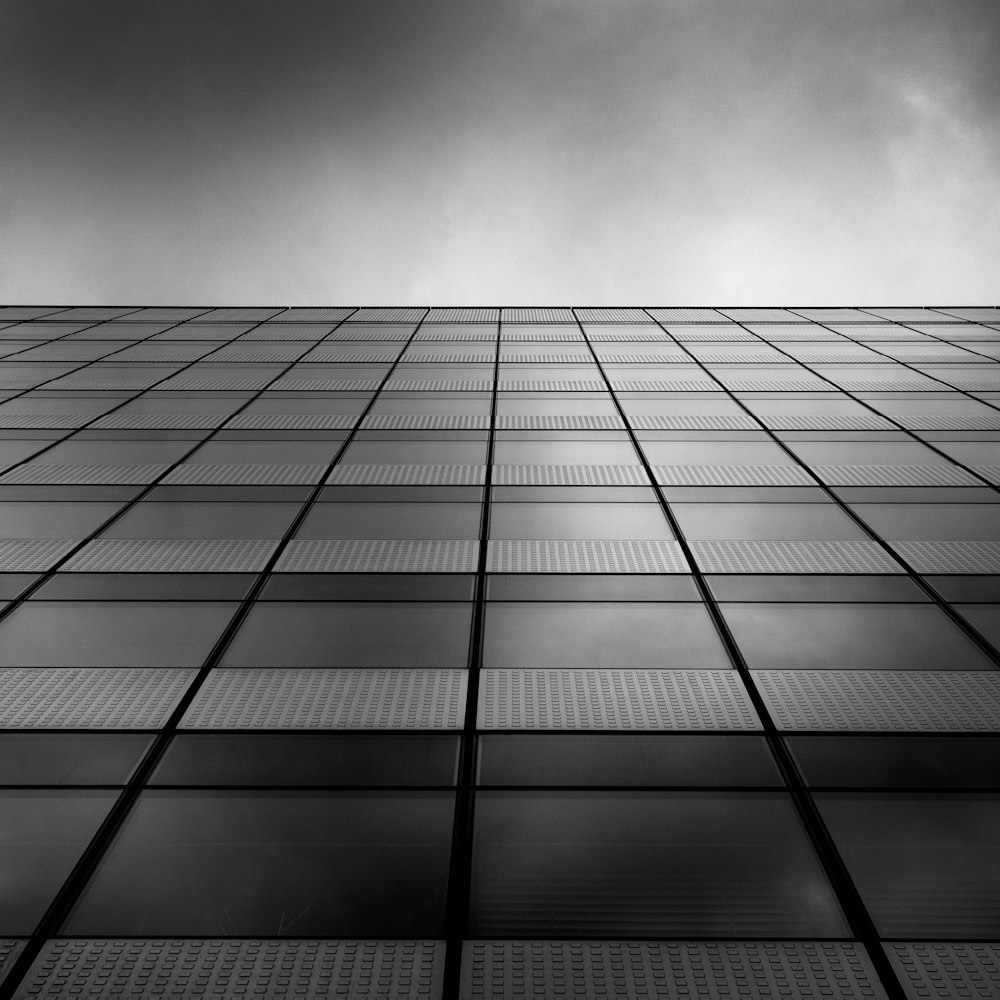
{"points": [[847, 894]]}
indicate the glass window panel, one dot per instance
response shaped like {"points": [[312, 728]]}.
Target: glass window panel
{"points": [[614, 865], [722, 452], [116, 452], [274, 864], [780, 587], [16, 451], [42, 835], [899, 761], [981, 589], [391, 520], [851, 637], [590, 587], [145, 587], [352, 635], [765, 521], [633, 760], [150, 519], [111, 634], [578, 520], [309, 759], [639, 636], [53, 520], [985, 618], [865, 453], [971, 452], [69, 758], [369, 587], [926, 865], [919, 521], [257, 451]]}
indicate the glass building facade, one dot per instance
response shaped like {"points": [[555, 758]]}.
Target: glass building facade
{"points": [[500, 653]]}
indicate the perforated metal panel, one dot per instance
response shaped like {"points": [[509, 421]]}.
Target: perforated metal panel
{"points": [[231, 969], [617, 315], [550, 385], [325, 385], [291, 421], [157, 421], [951, 557], [465, 315], [548, 358], [330, 699], [427, 421], [569, 475], [408, 475], [203, 383], [557, 334], [678, 970], [771, 384], [693, 421], [826, 421], [88, 698], [38, 474], [172, 555], [536, 315], [557, 422], [449, 358], [688, 316], [32, 555], [585, 556], [25, 421], [334, 355], [448, 334], [894, 701], [695, 384], [9, 950], [191, 473], [91, 381], [614, 700], [731, 475], [947, 970], [611, 336], [363, 332], [387, 315], [894, 475], [379, 556], [793, 557], [945, 422], [439, 385]]}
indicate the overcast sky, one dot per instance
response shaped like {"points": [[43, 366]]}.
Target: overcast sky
{"points": [[654, 152]]}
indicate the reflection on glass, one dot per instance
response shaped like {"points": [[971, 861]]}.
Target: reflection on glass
{"points": [[274, 864], [619, 864]]}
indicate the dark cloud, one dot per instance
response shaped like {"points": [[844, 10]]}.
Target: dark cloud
{"points": [[516, 150]]}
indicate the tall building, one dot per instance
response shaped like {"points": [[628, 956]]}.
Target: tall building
{"points": [[500, 653]]}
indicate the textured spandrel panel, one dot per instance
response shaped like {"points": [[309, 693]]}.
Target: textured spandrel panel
{"points": [[89, 698], [732, 475], [95, 381], [951, 557], [947, 970], [325, 384], [556, 334], [482, 357], [311, 314], [550, 385], [566, 422], [793, 557], [426, 421], [338, 355], [209, 473], [585, 970], [31, 555], [529, 555], [9, 950], [408, 475], [329, 699], [617, 315], [693, 384], [160, 421], [946, 422], [537, 314], [613, 700], [26, 421], [379, 555], [463, 315], [875, 700], [291, 421], [820, 421], [569, 475], [172, 555], [369, 333], [894, 475], [692, 421], [449, 335], [37, 474], [991, 473], [439, 385]]}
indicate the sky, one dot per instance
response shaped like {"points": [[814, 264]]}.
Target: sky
{"points": [[515, 152]]}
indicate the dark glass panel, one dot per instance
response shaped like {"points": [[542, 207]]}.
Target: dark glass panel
{"points": [[808, 588], [69, 758], [578, 520], [391, 520], [590, 587]]}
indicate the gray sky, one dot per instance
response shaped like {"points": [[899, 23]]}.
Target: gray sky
{"points": [[500, 151]]}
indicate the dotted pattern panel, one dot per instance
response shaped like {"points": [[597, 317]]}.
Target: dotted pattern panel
{"points": [[157, 421], [793, 557], [944, 422], [614, 700], [991, 473], [379, 556], [330, 699], [949, 701], [292, 421], [662, 357], [53, 475], [612, 316], [652, 334], [427, 421], [536, 315], [550, 385], [512, 335], [32, 555], [466, 315], [771, 385], [388, 970], [25, 421], [569, 475], [688, 316], [947, 971], [309, 314], [95, 381], [894, 475], [439, 385], [362, 332], [17, 384], [951, 557], [731, 475], [694, 384], [826, 421], [172, 555], [338, 355], [89, 698], [564, 422], [375, 314], [191, 473], [448, 335], [408, 475], [586, 970], [745, 356], [581, 357], [415, 357], [325, 385], [555, 555], [9, 950], [699, 422]]}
